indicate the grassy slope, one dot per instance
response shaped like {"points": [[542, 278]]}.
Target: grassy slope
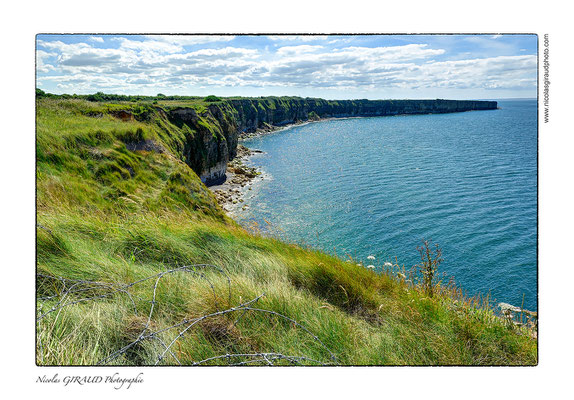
{"points": [[114, 216]]}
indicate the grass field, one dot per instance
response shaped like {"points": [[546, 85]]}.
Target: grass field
{"points": [[138, 265]]}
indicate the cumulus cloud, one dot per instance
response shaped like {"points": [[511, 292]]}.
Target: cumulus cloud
{"points": [[149, 45], [132, 63], [97, 39], [42, 64], [392, 53], [89, 59], [226, 53], [83, 55], [191, 40], [62, 47], [355, 66], [298, 38], [294, 50]]}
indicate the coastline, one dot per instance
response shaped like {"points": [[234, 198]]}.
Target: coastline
{"points": [[241, 196], [275, 128], [240, 179]]}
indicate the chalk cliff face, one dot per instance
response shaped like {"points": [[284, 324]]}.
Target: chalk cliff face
{"points": [[212, 132]]}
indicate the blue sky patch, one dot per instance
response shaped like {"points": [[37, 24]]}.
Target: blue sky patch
{"points": [[332, 67]]}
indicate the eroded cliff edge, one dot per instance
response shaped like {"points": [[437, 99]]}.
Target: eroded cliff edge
{"points": [[217, 126], [256, 113], [205, 135]]}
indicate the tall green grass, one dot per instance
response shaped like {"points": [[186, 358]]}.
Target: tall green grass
{"points": [[110, 217]]}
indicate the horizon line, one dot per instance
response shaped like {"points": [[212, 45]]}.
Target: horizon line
{"points": [[302, 97]]}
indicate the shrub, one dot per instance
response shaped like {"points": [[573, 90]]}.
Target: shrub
{"points": [[313, 116], [212, 98], [99, 96], [430, 260]]}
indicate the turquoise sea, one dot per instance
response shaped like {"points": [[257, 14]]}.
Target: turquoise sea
{"points": [[379, 186]]}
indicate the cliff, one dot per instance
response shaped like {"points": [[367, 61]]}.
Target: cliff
{"points": [[204, 134], [137, 264], [256, 113], [211, 139], [218, 125]]}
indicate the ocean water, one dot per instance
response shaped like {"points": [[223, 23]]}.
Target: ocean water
{"points": [[379, 186]]}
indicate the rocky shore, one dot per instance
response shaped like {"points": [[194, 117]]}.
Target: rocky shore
{"points": [[268, 129], [240, 178], [211, 131]]}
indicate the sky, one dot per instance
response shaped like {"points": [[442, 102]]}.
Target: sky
{"points": [[326, 66]]}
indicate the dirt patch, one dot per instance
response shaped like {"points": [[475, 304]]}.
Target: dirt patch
{"points": [[145, 145], [123, 115]]}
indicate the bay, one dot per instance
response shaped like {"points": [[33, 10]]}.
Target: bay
{"points": [[377, 187]]}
